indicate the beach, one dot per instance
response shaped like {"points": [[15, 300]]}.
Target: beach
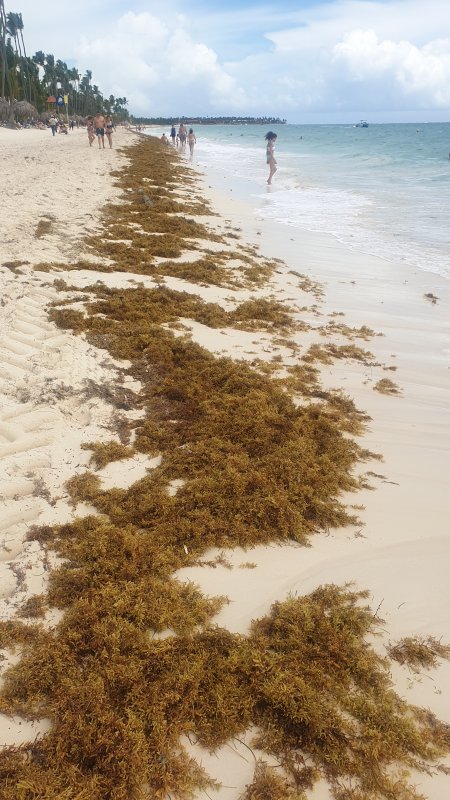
{"points": [[56, 388]]}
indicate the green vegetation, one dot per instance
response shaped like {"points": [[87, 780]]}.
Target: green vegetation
{"points": [[137, 661], [32, 80], [209, 120]]}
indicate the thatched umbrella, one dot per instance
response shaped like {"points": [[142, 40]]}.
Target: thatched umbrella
{"points": [[4, 109], [24, 110]]}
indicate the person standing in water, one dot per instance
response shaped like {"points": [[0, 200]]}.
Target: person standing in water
{"points": [[191, 140], [182, 136], [271, 139]]}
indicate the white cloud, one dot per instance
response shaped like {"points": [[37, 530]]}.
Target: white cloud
{"points": [[334, 57], [159, 68], [420, 72]]}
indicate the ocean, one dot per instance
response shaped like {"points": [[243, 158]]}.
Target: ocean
{"points": [[383, 190]]}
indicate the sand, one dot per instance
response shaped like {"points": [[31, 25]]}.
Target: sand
{"points": [[49, 407]]}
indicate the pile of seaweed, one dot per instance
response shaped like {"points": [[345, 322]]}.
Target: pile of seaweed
{"points": [[137, 663]]}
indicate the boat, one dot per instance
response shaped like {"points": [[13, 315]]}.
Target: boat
{"points": [[362, 124]]}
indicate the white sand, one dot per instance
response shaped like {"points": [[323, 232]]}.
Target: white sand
{"points": [[402, 556], [46, 410]]}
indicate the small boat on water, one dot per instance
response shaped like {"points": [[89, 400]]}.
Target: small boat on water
{"points": [[362, 124]]}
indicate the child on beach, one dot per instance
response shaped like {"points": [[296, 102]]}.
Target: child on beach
{"points": [[90, 130], [270, 139]]}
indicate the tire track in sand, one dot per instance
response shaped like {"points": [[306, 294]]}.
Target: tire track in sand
{"points": [[43, 420]]}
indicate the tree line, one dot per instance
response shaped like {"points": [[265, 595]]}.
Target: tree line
{"points": [[209, 120], [34, 79]]}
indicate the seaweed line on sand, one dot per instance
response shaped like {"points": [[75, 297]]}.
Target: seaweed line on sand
{"points": [[253, 467]]}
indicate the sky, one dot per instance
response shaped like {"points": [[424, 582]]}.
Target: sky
{"points": [[305, 60]]}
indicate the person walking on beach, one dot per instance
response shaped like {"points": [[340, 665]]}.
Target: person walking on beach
{"points": [[109, 128], [90, 130], [173, 133], [99, 127], [182, 136], [192, 141], [271, 139], [53, 122]]}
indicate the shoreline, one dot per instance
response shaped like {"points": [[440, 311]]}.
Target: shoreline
{"points": [[402, 555], [402, 418]]}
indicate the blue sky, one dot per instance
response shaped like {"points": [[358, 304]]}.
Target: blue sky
{"points": [[307, 61]]}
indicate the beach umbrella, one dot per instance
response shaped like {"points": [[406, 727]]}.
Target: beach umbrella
{"points": [[4, 109], [23, 110]]}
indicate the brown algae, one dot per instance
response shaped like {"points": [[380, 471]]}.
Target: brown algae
{"points": [[136, 661]]}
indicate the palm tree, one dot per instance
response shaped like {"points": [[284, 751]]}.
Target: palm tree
{"points": [[119, 107], [49, 73], [14, 27], [11, 30], [24, 58], [39, 58], [74, 78], [3, 55], [41, 75]]}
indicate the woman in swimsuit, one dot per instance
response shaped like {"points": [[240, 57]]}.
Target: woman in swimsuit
{"points": [[109, 128], [182, 136], [270, 139], [191, 140]]}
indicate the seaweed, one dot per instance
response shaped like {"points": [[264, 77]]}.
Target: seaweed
{"points": [[419, 652], [119, 702], [137, 661], [105, 452], [44, 226], [35, 606], [327, 353], [364, 332], [267, 784], [386, 386]]}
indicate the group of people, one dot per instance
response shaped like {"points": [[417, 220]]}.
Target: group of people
{"points": [[100, 126], [180, 138], [58, 125], [97, 126]]}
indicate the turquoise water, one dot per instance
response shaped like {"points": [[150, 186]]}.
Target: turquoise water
{"points": [[383, 190]]}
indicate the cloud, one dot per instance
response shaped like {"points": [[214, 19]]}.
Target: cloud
{"points": [[164, 71], [420, 72], [333, 58]]}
